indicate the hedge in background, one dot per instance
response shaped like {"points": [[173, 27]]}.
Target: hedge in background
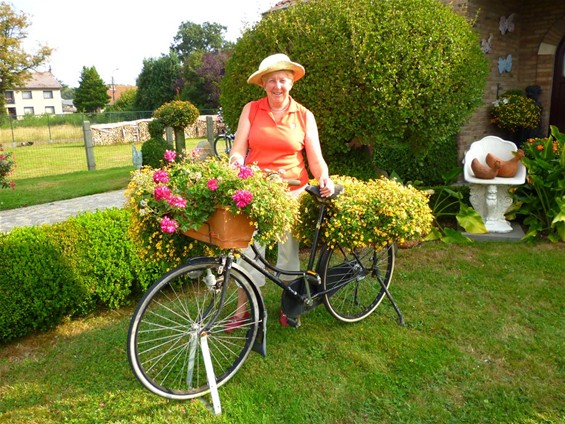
{"points": [[67, 269], [382, 73]]}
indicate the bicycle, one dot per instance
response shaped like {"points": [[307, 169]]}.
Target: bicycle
{"points": [[190, 306], [224, 141]]}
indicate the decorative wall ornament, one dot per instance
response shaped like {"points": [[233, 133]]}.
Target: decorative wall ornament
{"points": [[504, 64], [486, 44], [506, 24]]}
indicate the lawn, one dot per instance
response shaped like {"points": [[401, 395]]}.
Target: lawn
{"points": [[482, 344]]}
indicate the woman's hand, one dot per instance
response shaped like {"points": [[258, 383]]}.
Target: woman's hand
{"points": [[326, 186]]}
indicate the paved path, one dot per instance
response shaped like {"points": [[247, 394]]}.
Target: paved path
{"points": [[49, 213]]}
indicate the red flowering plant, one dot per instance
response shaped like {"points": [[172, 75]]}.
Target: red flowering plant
{"points": [[7, 165], [184, 193]]}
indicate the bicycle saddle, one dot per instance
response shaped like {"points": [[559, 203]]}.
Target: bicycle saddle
{"points": [[315, 191]]}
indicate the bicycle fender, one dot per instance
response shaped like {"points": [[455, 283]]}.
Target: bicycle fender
{"points": [[260, 343]]}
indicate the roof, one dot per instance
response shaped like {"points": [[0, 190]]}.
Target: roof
{"points": [[283, 4], [42, 80]]}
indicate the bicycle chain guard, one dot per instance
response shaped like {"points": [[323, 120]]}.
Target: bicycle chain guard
{"points": [[294, 307]]}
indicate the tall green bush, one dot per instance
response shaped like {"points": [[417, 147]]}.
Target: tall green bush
{"points": [[385, 73]]}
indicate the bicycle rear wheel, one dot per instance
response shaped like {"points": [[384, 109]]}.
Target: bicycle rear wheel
{"points": [[354, 280], [223, 145], [164, 347]]}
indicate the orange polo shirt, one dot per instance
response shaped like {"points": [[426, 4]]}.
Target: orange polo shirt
{"points": [[281, 146]]}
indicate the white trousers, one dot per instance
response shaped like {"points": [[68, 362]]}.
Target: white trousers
{"points": [[287, 255]]}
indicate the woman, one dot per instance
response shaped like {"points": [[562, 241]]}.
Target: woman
{"points": [[273, 132]]}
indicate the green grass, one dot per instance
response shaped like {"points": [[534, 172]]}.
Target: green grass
{"points": [[482, 344], [33, 191], [59, 177]]}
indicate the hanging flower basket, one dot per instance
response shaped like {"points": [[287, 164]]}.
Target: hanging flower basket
{"points": [[225, 230]]}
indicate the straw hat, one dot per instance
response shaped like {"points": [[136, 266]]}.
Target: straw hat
{"points": [[273, 63]]}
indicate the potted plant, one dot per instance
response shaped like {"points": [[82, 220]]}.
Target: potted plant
{"points": [[188, 193], [513, 111]]}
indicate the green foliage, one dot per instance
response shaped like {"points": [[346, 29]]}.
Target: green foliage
{"points": [[156, 128], [38, 286], [542, 199], [404, 72], [157, 82], [153, 150], [427, 166], [67, 269], [91, 94], [192, 38], [177, 114]]}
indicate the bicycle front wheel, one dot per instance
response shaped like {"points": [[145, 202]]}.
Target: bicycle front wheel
{"points": [[354, 280], [223, 145], [164, 339]]}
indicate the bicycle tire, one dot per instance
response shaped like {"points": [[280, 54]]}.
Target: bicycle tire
{"points": [[354, 280], [164, 347], [223, 145]]}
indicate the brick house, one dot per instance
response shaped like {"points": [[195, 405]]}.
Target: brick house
{"points": [[533, 33], [40, 95]]}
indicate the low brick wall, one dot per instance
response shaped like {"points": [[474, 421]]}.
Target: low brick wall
{"points": [[136, 131]]}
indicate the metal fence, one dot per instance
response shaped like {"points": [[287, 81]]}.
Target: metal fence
{"points": [[54, 144]]}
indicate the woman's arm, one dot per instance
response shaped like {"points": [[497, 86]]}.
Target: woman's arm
{"points": [[316, 160], [240, 145]]}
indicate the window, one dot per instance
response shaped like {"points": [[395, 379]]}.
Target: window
{"points": [[48, 94], [9, 96], [26, 94], [28, 111], [50, 110]]}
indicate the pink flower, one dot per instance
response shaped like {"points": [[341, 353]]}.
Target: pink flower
{"points": [[177, 202], [168, 225], [161, 192], [245, 172], [161, 176], [242, 198], [170, 155], [212, 184]]}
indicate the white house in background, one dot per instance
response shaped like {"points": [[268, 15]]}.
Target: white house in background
{"points": [[41, 95]]}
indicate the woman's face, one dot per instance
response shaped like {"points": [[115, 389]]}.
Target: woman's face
{"points": [[277, 85]]}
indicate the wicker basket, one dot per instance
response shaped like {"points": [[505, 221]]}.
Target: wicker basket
{"points": [[225, 230]]}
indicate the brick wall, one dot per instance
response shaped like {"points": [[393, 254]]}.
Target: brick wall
{"points": [[539, 27]]}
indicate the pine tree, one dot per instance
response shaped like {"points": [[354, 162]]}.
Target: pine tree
{"points": [[91, 94]]}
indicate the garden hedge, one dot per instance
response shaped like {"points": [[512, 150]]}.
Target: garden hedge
{"points": [[380, 73], [72, 268]]}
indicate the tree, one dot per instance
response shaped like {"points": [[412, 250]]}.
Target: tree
{"points": [[15, 62], [202, 78], [91, 94], [159, 82], [382, 74], [178, 115], [192, 38]]}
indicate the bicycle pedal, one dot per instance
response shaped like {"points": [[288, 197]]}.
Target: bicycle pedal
{"points": [[293, 322]]}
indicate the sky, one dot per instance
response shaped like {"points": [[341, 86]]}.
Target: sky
{"points": [[115, 36]]}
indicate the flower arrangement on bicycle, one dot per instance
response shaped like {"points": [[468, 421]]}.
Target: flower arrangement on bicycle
{"points": [[186, 191], [371, 213]]}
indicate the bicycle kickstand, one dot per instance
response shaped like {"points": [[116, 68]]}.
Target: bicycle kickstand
{"points": [[400, 316]]}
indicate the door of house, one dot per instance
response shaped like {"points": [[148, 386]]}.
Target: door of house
{"points": [[557, 113]]}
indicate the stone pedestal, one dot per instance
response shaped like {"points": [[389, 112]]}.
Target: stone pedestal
{"points": [[491, 202], [490, 197]]}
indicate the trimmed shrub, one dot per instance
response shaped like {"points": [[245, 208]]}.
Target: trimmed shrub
{"points": [[66, 269], [387, 73], [38, 286], [152, 151]]}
